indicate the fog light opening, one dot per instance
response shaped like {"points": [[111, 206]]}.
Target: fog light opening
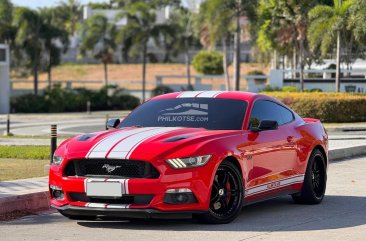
{"points": [[179, 196], [58, 195], [57, 192]]}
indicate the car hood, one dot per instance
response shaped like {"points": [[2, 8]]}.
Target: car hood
{"points": [[138, 143]]}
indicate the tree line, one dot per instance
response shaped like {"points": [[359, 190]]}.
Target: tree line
{"points": [[304, 31], [308, 31]]}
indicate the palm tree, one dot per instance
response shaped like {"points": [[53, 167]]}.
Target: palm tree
{"points": [[183, 18], [215, 24], [177, 37], [71, 12], [29, 38], [141, 23], [7, 31], [55, 39], [98, 37], [357, 20], [219, 19], [327, 23], [166, 38], [284, 23]]}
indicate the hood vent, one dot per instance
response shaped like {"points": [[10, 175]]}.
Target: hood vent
{"points": [[85, 137], [177, 138]]}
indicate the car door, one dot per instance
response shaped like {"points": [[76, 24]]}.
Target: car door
{"points": [[273, 153]]}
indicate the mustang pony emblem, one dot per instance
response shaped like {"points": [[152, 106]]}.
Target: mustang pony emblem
{"points": [[110, 168]]}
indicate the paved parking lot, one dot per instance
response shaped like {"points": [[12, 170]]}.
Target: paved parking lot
{"points": [[342, 216]]}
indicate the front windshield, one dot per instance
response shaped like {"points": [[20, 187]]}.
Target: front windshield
{"points": [[208, 113]]}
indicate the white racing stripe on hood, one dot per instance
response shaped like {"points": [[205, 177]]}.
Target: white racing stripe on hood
{"points": [[126, 147], [209, 94], [101, 149], [189, 94], [199, 94]]}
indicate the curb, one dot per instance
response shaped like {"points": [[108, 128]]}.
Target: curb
{"points": [[29, 203], [34, 202], [343, 153], [346, 129]]}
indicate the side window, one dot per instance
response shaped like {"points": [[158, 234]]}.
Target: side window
{"points": [[268, 110], [286, 114]]}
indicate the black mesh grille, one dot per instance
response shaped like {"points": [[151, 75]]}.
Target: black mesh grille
{"points": [[141, 199], [110, 168]]}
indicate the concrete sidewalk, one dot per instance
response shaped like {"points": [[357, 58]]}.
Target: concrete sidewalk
{"points": [[23, 186], [26, 195]]}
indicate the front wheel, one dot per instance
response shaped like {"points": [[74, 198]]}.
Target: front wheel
{"points": [[226, 196], [315, 181]]}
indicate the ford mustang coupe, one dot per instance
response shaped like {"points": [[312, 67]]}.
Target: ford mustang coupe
{"points": [[199, 153]]}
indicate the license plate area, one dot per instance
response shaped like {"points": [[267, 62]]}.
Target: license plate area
{"points": [[99, 188]]}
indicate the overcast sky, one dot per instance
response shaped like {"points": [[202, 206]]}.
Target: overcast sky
{"points": [[45, 3]]}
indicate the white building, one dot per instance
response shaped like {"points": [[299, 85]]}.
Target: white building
{"points": [[162, 15]]}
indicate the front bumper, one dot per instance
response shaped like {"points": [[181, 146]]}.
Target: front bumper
{"points": [[125, 213], [198, 180]]}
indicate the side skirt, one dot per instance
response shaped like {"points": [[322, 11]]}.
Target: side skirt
{"points": [[269, 196]]}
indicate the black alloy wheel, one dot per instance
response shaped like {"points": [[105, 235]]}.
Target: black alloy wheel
{"points": [[317, 178], [226, 196], [315, 181]]}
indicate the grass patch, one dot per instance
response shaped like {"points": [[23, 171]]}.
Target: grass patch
{"points": [[25, 152], [11, 169]]}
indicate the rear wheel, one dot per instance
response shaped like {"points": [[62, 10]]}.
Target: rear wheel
{"points": [[314, 186], [226, 196]]}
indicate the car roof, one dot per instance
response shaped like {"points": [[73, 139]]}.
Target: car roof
{"points": [[238, 95]]}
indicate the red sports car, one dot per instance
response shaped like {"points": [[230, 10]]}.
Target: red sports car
{"points": [[200, 153]]}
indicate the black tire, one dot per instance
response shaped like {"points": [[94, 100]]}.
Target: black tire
{"points": [[315, 181], [227, 195], [77, 217]]}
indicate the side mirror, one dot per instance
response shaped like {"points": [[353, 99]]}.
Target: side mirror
{"points": [[112, 123], [266, 125]]}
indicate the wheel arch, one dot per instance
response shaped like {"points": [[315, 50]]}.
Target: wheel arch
{"points": [[236, 162], [322, 150]]}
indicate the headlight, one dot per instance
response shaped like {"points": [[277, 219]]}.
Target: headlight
{"points": [[197, 161], [57, 160]]}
